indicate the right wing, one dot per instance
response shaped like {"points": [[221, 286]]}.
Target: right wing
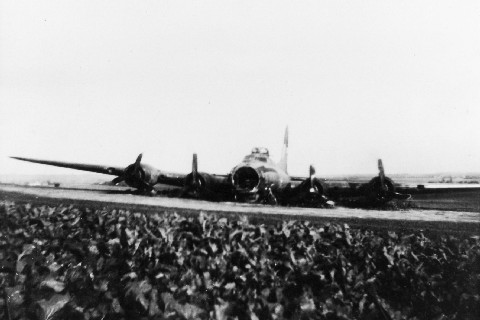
{"points": [[116, 171]]}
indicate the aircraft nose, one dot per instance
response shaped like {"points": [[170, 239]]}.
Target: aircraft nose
{"points": [[246, 178]]}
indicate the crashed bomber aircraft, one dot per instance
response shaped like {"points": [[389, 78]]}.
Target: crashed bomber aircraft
{"points": [[257, 179]]}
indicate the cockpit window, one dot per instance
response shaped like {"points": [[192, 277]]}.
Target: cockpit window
{"points": [[262, 151]]}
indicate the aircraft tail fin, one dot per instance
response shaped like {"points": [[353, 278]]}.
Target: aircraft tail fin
{"points": [[283, 159]]}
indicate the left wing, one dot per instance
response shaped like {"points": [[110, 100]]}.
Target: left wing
{"points": [[144, 177], [137, 174], [202, 184], [116, 171]]}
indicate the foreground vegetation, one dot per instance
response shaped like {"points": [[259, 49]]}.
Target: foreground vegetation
{"points": [[69, 263]]}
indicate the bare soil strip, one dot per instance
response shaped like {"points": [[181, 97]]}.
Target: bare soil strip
{"points": [[428, 220]]}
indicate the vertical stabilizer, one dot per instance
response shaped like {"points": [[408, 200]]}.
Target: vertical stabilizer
{"points": [[283, 159]]}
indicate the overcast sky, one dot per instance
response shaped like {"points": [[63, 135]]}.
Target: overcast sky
{"points": [[101, 81]]}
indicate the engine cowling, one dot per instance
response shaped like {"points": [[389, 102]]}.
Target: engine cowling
{"points": [[374, 191], [309, 193], [204, 185], [137, 176]]}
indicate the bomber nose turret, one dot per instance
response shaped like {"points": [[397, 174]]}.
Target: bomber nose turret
{"points": [[246, 178], [245, 181]]}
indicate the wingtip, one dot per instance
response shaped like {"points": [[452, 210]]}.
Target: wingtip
{"points": [[22, 159]]}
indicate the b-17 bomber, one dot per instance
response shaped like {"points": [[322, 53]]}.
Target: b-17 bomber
{"points": [[256, 179]]}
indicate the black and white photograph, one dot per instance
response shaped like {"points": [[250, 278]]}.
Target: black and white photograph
{"points": [[239, 160]]}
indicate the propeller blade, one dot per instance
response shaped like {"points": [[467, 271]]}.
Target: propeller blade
{"points": [[381, 174], [137, 162], [194, 169], [401, 196], [117, 180], [380, 167], [192, 183], [312, 177], [147, 186]]}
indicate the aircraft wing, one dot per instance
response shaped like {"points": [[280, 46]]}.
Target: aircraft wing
{"points": [[351, 188], [116, 171], [171, 179], [437, 187], [149, 177]]}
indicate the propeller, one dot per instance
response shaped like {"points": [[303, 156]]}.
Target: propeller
{"points": [[315, 196], [386, 188], [383, 192], [134, 172]]}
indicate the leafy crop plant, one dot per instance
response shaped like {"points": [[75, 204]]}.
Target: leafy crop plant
{"points": [[67, 262]]}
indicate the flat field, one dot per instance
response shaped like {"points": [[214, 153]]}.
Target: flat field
{"points": [[468, 200], [108, 197]]}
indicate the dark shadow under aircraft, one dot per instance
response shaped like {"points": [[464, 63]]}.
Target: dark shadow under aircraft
{"points": [[257, 179]]}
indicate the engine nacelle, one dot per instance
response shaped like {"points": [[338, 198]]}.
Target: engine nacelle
{"points": [[208, 186], [137, 177], [203, 182], [309, 193], [374, 191], [314, 186]]}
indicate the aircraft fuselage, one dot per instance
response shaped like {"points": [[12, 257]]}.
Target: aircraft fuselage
{"points": [[256, 176]]}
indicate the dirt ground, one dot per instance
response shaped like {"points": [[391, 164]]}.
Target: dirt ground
{"points": [[108, 197]]}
